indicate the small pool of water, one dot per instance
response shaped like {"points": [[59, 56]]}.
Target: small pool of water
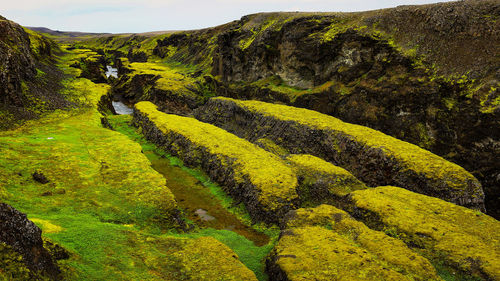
{"points": [[201, 206], [111, 71], [121, 108]]}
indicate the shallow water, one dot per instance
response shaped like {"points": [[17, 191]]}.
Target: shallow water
{"points": [[121, 108], [111, 71], [200, 205]]}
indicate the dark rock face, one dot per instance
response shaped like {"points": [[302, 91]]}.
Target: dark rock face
{"points": [[25, 238], [16, 63], [29, 79]]}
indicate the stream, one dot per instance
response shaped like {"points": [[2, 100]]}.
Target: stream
{"points": [[111, 71], [201, 206], [121, 108]]}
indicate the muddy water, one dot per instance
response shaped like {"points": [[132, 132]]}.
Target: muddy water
{"points": [[200, 205]]}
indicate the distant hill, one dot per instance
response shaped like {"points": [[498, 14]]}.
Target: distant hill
{"points": [[64, 33]]}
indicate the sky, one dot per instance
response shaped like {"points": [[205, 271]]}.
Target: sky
{"points": [[134, 16]]}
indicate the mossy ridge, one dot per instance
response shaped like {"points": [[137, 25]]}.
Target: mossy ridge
{"points": [[464, 239], [317, 253], [266, 177], [371, 252], [322, 182], [440, 176]]}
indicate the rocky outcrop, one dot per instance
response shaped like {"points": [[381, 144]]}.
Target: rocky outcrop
{"points": [[17, 63], [29, 82], [25, 238], [171, 90], [325, 243], [373, 157], [464, 239], [250, 174]]}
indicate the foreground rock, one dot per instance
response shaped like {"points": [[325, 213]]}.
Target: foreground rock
{"points": [[20, 235], [373, 157], [256, 177], [325, 243], [465, 239]]}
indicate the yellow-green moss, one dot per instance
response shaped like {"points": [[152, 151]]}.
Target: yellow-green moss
{"points": [[410, 156], [351, 253], [207, 259], [271, 146], [390, 251], [317, 171], [466, 239], [275, 182]]}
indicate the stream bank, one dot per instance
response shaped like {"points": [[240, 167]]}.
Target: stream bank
{"points": [[205, 207]]}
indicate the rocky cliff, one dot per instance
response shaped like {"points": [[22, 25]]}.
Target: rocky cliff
{"points": [[29, 80]]}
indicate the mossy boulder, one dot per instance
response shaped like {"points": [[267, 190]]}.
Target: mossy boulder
{"points": [[258, 178], [208, 259], [21, 243], [325, 243], [373, 157], [321, 181], [466, 240]]}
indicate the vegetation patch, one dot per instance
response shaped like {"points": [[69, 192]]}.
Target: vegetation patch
{"points": [[325, 243], [464, 239]]}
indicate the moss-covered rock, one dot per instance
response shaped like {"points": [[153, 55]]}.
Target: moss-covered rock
{"points": [[465, 239], [321, 181], [207, 259], [373, 157], [325, 243], [167, 86], [21, 235], [258, 178]]}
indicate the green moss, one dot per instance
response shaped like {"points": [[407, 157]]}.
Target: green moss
{"points": [[322, 181], [352, 252], [376, 247], [206, 258], [274, 182], [462, 238], [249, 253]]}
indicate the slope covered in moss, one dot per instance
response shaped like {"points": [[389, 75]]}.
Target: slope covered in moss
{"points": [[374, 157], [465, 239]]}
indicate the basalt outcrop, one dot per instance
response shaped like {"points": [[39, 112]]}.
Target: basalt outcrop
{"points": [[461, 238], [373, 157], [325, 243], [23, 237]]}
